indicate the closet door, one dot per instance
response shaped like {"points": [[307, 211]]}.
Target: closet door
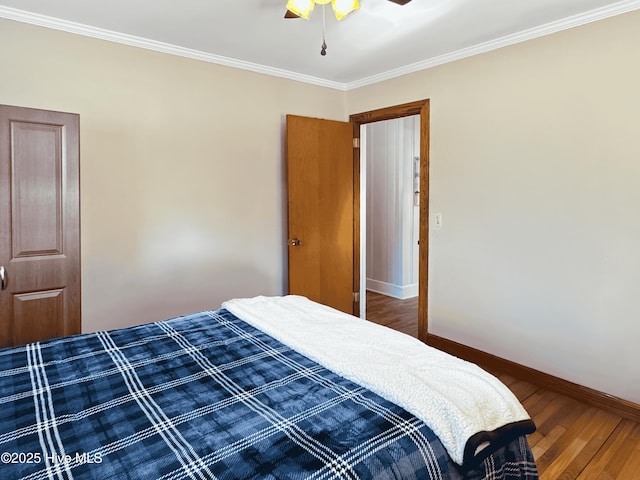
{"points": [[39, 225]]}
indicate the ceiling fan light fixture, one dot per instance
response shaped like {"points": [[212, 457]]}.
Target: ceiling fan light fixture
{"points": [[302, 8], [342, 8]]}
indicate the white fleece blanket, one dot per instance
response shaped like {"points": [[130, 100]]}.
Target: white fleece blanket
{"points": [[455, 398]]}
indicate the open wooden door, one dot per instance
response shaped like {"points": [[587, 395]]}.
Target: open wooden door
{"points": [[320, 179], [39, 225]]}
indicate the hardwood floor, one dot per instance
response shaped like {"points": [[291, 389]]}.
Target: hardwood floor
{"points": [[573, 441], [401, 315]]}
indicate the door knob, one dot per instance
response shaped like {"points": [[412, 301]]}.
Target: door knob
{"points": [[296, 242], [3, 278]]}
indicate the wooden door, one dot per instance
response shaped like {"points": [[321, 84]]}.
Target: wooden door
{"points": [[39, 225], [320, 179]]}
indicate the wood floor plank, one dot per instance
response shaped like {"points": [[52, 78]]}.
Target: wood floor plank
{"points": [[596, 431], [563, 411], [522, 389], [539, 402], [631, 468], [548, 441], [572, 441], [562, 460], [398, 314], [608, 450], [618, 449]]}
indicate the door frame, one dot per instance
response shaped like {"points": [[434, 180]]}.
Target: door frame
{"points": [[422, 108]]}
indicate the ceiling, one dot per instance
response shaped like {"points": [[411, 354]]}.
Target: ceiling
{"points": [[379, 41]]}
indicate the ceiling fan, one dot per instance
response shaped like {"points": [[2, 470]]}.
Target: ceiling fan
{"points": [[341, 8]]}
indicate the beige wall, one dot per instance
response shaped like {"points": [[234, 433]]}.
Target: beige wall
{"points": [[182, 196], [535, 167]]}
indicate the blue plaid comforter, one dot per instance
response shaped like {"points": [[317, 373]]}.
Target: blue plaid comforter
{"points": [[207, 396]]}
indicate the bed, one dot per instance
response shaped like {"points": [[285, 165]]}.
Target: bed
{"points": [[264, 388]]}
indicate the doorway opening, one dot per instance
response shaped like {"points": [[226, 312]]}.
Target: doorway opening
{"points": [[421, 109], [390, 201]]}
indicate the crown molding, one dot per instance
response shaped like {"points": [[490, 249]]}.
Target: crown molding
{"points": [[602, 13], [133, 41]]}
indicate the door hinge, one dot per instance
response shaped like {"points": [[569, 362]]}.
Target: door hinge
{"points": [[356, 297], [356, 142]]}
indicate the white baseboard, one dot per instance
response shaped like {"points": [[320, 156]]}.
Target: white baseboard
{"points": [[401, 292]]}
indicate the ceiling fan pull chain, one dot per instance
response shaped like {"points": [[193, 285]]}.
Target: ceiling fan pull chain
{"points": [[323, 50]]}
